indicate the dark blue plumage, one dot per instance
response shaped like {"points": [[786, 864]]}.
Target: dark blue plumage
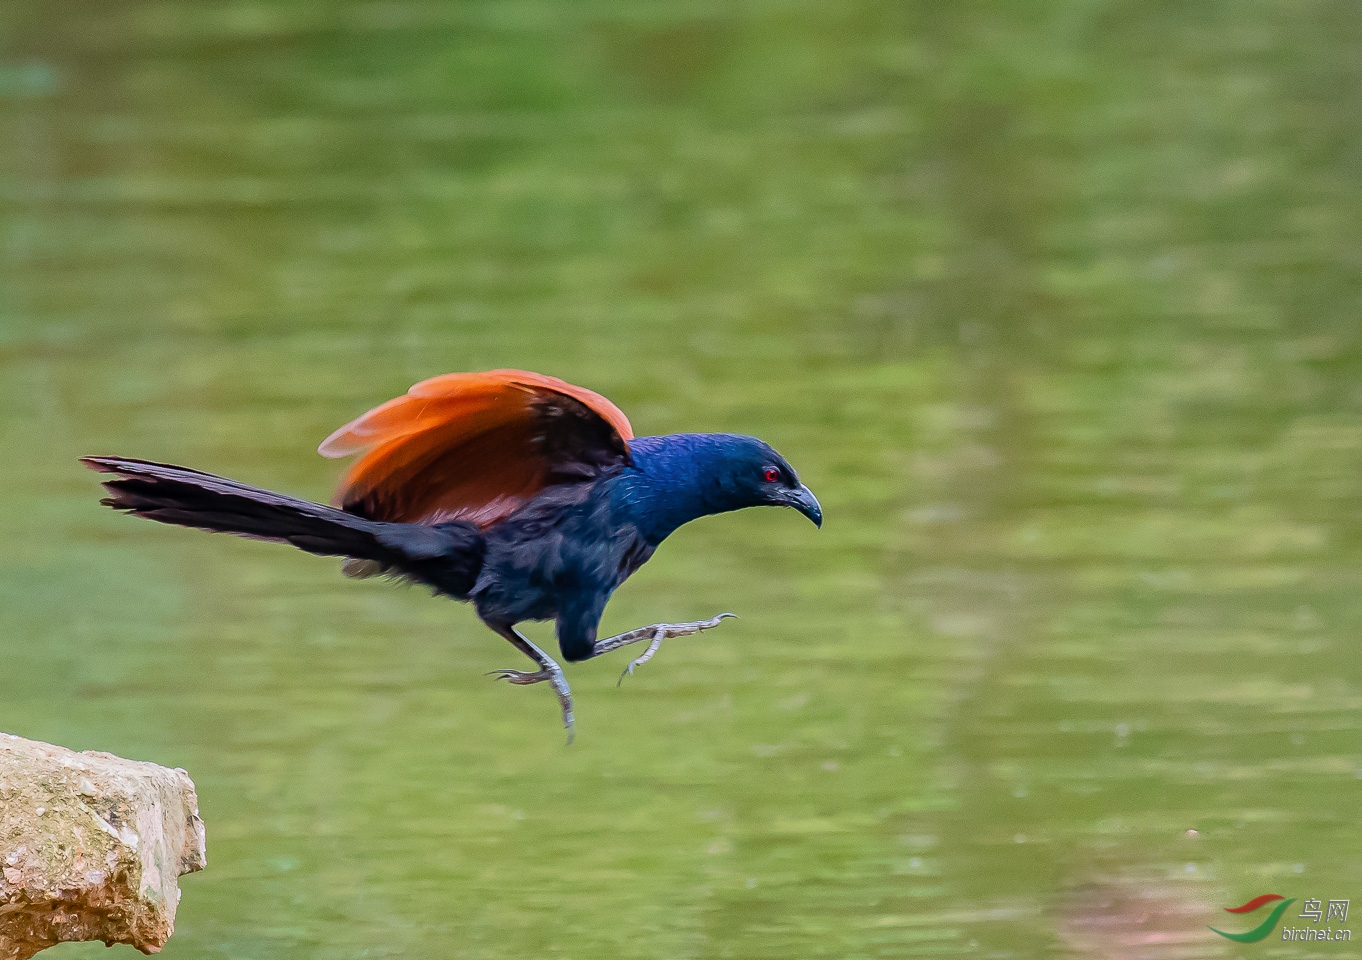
{"points": [[563, 554], [558, 551]]}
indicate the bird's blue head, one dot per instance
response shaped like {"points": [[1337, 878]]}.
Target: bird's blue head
{"points": [[692, 475]]}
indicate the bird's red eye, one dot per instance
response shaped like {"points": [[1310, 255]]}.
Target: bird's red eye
{"points": [[771, 475]]}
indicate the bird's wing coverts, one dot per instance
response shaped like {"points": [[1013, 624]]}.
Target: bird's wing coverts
{"points": [[474, 446]]}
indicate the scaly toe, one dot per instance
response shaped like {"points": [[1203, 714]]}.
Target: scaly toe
{"points": [[519, 677], [699, 626], [644, 657]]}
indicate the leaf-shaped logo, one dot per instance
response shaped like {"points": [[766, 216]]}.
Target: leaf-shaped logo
{"points": [[1261, 931]]}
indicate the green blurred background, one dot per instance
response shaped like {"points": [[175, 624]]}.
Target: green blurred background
{"points": [[1055, 305]]}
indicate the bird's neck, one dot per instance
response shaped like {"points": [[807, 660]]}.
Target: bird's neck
{"points": [[670, 483]]}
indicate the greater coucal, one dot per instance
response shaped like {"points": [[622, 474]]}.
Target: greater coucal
{"points": [[527, 496]]}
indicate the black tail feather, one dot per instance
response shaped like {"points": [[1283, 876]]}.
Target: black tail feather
{"points": [[190, 498]]}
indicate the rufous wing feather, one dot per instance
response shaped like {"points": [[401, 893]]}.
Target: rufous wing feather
{"points": [[474, 446]]}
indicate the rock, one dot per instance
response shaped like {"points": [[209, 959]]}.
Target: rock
{"points": [[91, 846]]}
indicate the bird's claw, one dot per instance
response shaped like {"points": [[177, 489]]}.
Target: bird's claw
{"points": [[644, 657], [553, 676], [664, 631], [550, 672]]}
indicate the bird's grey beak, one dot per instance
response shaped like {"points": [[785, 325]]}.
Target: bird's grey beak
{"points": [[806, 503]]}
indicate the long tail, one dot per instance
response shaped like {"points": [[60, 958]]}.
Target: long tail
{"points": [[447, 556]]}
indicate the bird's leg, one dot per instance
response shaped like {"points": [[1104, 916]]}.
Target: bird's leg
{"points": [[548, 670], [655, 633]]}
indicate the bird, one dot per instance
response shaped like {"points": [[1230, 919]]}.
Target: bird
{"points": [[519, 493]]}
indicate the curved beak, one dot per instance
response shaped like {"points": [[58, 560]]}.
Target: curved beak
{"points": [[806, 503]]}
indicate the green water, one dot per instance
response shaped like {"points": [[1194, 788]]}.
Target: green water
{"points": [[1055, 306]]}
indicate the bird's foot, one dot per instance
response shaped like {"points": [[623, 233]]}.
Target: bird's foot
{"points": [[551, 673], [655, 633]]}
